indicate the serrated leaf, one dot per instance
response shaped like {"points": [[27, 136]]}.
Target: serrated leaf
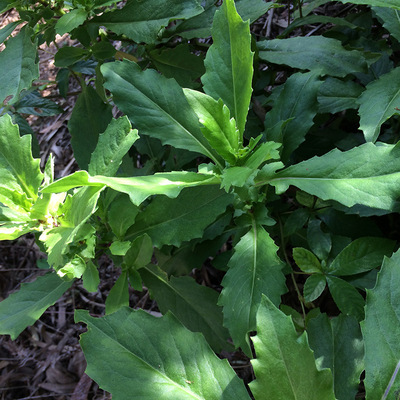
{"points": [[254, 269], [361, 255], [85, 131], [23, 308], [378, 103], [159, 359], [306, 261], [20, 175], [18, 64], [319, 54], [313, 287], [346, 297], [338, 345], [111, 147], [380, 331], [138, 188], [229, 63], [141, 94], [194, 305], [285, 366], [143, 21], [296, 104], [71, 20], [366, 175], [218, 126], [172, 221]]}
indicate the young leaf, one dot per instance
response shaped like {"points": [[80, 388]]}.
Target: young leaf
{"points": [[219, 128], [378, 103], [194, 305], [23, 308], [119, 294], [229, 63], [361, 255], [338, 345], [138, 188], [172, 221], [296, 104], [319, 54], [381, 334], [90, 277], [85, 131], [70, 21], [285, 366], [366, 175], [140, 94], [159, 359], [18, 64], [306, 261], [112, 145], [254, 269]]}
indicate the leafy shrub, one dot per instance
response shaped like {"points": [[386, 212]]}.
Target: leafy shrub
{"points": [[292, 198]]}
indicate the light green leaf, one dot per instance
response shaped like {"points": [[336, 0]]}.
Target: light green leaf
{"points": [[338, 345], [346, 297], [381, 333], [194, 305], [361, 255], [172, 221], [390, 18], [229, 63], [20, 175], [140, 252], [23, 308], [296, 104], [73, 268], [254, 269], [141, 94], [142, 21], [313, 287], [366, 175], [306, 261], [119, 294], [90, 277], [119, 248], [121, 215], [138, 188], [159, 359], [335, 95], [378, 103], [112, 145], [18, 63], [71, 20], [218, 126], [285, 366], [85, 131], [319, 54]]}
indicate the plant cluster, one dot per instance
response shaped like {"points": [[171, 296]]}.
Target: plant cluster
{"points": [[282, 190]]}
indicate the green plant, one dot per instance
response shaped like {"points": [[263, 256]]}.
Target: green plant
{"points": [[215, 172]]}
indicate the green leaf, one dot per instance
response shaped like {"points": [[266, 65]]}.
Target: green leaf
{"points": [[85, 131], [378, 103], [18, 64], [119, 294], [172, 221], [33, 103], [319, 54], [346, 297], [8, 29], [138, 188], [314, 286], [139, 253], [141, 94], [218, 126], [296, 104], [20, 175], [111, 147], [158, 359], [121, 215], [229, 63], [378, 3], [361, 255], [90, 277], [285, 366], [254, 269], [253, 9], [194, 305], [103, 50], [67, 56], [366, 175], [319, 241], [71, 20], [143, 21], [338, 345], [335, 95], [380, 331], [23, 308], [306, 261], [389, 18]]}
